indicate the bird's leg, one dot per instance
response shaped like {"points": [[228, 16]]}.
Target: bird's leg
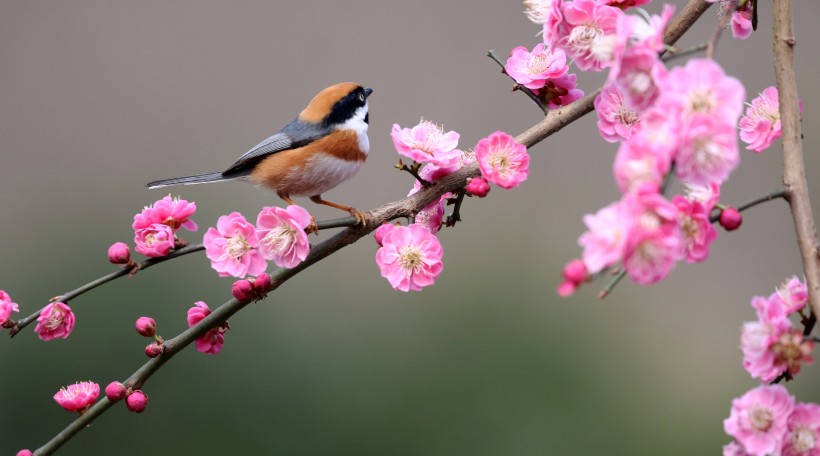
{"points": [[360, 216], [313, 227]]}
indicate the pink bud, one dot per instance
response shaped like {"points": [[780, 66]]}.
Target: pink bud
{"points": [[242, 290], [575, 271], [137, 401], [115, 391], [566, 288], [154, 349], [24, 453], [477, 186], [382, 231], [119, 253], [261, 285], [730, 219], [146, 326]]}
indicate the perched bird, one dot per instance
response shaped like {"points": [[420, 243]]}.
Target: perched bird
{"points": [[324, 146]]}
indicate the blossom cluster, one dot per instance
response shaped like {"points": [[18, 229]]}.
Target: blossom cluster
{"points": [[741, 19], [156, 226]]}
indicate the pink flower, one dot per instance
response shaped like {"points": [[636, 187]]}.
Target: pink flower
{"points": [[137, 401], [701, 88], [432, 215], [427, 142], [25, 452], [231, 247], [791, 351], [410, 257], [561, 91], [605, 239], [639, 75], [758, 338], [655, 242], [792, 294], [587, 25], [548, 14], [173, 212], [658, 136], [615, 120], [708, 151], [211, 342], [119, 253], [382, 231], [155, 240], [760, 126], [56, 321], [282, 236], [115, 391], [6, 307], [758, 420], [635, 165], [734, 449], [477, 186], [803, 434], [708, 195], [698, 231], [741, 17], [146, 326], [503, 160], [77, 397], [533, 69]]}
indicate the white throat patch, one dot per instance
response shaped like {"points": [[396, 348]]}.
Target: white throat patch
{"points": [[357, 124]]}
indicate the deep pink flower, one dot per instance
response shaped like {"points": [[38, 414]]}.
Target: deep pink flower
{"points": [[698, 231], [211, 342], [533, 69], [477, 186], [410, 257], [427, 142], [155, 240], [503, 160], [77, 397], [231, 247], [137, 401], [639, 75], [432, 215], [760, 126], [587, 25], [654, 243], [56, 321], [548, 14], [605, 239], [701, 88], [803, 434], [793, 295], [708, 151], [242, 290], [615, 120], [635, 165], [6, 307], [173, 212], [708, 195], [119, 253], [758, 420], [759, 337], [561, 91], [282, 236]]}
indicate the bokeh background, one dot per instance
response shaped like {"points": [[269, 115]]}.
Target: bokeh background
{"points": [[99, 97]]}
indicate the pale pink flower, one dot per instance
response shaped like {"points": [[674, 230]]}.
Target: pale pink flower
{"points": [[211, 342], [410, 257], [758, 338], [659, 136], [6, 307], [803, 434], [232, 247], [503, 160], [793, 294], [548, 14], [708, 151], [701, 88], [759, 419], [708, 195], [281, 234], [155, 240], [639, 76], [615, 120], [635, 165], [654, 243], [586, 25], [56, 321], [698, 231], [791, 351], [649, 33], [533, 69], [741, 16], [561, 91], [605, 240], [432, 215], [77, 397], [427, 142], [174, 212], [734, 449], [635, 32], [760, 126]]}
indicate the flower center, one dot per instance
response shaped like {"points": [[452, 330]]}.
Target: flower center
{"points": [[626, 116], [410, 259], [582, 37], [237, 246], [281, 239], [500, 162], [803, 439], [761, 419], [701, 102], [538, 63], [55, 320], [639, 82]]}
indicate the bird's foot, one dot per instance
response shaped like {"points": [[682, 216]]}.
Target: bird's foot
{"points": [[361, 217], [312, 227]]}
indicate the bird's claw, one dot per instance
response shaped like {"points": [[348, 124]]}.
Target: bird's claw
{"points": [[312, 227], [361, 217]]}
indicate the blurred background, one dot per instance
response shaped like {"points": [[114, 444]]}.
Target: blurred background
{"points": [[99, 97]]}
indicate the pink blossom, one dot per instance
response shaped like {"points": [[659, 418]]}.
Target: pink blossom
{"points": [[119, 253], [56, 321], [759, 419], [658, 136], [605, 240], [730, 218], [791, 351], [639, 76], [741, 17], [25, 452], [587, 24], [650, 33], [232, 247], [760, 126], [155, 240], [734, 449], [427, 142], [561, 91], [503, 160], [432, 215], [548, 14], [708, 195], [698, 231], [477, 186], [6, 307], [654, 243], [281, 234], [708, 151], [382, 231], [77, 397], [533, 69], [211, 342], [242, 290], [701, 88], [793, 294], [410, 257], [758, 338], [803, 434], [137, 401], [146, 326], [174, 212], [635, 165], [115, 391], [615, 120]]}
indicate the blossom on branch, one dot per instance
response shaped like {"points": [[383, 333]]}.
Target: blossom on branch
{"points": [[760, 125], [409, 257], [534, 69], [503, 160], [77, 397], [6, 307], [174, 212], [281, 234], [759, 419], [211, 342], [155, 240], [232, 247], [427, 142], [56, 321]]}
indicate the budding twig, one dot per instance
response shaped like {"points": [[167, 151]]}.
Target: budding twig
{"points": [[491, 54]]}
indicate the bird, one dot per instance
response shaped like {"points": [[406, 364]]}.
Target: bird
{"points": [[325, 145]]}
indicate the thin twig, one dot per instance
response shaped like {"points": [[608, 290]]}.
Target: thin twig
{"points": [[779, 193], [676, 54], [491, 54], [456, 215], [711, 45]]}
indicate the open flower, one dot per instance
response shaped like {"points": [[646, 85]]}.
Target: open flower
{"points": [[155, 240], [77, 397], [281, 234], [760, 126], [6, 307], [231, 247], [533, 69], [211, 342], [803, 435], [616, 121], [174, 212], [410, 257], [427, 142], [56, 321], [503, 160], [759, 419], [586, 25]]}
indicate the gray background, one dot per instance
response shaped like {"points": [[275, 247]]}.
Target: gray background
{"points": [[99, 97]]}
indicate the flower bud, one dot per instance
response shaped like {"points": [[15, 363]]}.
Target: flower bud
{"points": [[261, 285], [154, 349], [119, 253], [575, 271], [136, 401], [566, 288], [382, 231], [730, 219], [242, 290], [115, 391], [477, 186], [146, 326], [24, 453]]}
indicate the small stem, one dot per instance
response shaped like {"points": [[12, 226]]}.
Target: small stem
{"points": [[672, 55], [491, 54], [612, 283], [779, 193], [456, 216], [414, 171]]}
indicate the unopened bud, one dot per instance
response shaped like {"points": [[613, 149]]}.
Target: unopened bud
{"points": [[119, 253], [477, 186], [242, 290], [154, 349], [382, 231], [115, 391], [730, 219], [261, 285], [146, 326], [137, 401], [575, 271]]}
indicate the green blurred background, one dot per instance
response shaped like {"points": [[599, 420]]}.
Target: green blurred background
{"points": [[99, 97]]}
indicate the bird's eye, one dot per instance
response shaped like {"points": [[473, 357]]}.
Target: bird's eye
{"points": [[361, 97]]}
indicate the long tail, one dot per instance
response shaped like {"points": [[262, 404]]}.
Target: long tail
{"points": [[189, 180]]}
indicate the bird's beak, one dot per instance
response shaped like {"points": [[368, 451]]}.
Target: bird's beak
{"points": [[368, 91]]}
